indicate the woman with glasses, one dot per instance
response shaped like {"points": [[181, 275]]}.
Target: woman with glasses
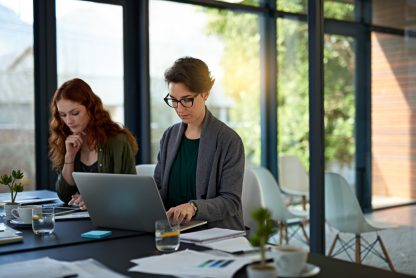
{"points": [[200, 165], [83, 138]]}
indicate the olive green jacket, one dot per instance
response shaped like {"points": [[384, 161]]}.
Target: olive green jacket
{"points": [[115, 157]]}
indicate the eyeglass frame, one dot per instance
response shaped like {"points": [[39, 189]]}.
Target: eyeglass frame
{"points": [[167, 98]]}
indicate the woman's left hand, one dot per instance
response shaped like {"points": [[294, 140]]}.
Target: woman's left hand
{"points": [[181, 213]]}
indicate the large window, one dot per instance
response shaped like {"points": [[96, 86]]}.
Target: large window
{"points": [[90, 46], [229, 43], [17, 90]]}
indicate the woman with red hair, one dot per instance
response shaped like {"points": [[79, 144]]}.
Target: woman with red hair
{"points": [[83, 138]]}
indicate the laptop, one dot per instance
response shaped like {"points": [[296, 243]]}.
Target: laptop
{"points": [[123, 201]]}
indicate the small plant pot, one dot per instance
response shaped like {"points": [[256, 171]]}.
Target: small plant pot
{"points": [[261, 271], [8, 210]]}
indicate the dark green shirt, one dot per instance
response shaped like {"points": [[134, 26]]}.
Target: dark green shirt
{"points": [[182, 180]]}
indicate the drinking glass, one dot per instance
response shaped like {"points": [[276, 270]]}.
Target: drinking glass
{"points": [[166, 236], [43, 221]]}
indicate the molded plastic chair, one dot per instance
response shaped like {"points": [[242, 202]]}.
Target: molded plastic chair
{"points": [[145, 169], [344, 213], [294, 179], [260, 189]]}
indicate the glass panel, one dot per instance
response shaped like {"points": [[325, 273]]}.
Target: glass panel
{"points": [[339, 67], [293, 110], [293, 96], [398, 14], [339, 9], [393, 82], [293, 6], [229, 43], [91, 48], [17, 91]]}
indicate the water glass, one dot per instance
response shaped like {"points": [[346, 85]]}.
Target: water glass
{"points": [[166, 236], [43, 221]]}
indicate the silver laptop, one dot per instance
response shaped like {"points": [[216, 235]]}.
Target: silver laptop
{"points": [[123, 201]]}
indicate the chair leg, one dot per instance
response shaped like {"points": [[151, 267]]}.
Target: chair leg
{"points": [[286, 234], [281, 233], [304, 202], [386, 254], [358, 249], [333, 245], [302, 226]]}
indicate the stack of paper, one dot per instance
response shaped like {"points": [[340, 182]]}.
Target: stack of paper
{"points": [[47, 267], [210, 235], [8, 235], [190, 263]]}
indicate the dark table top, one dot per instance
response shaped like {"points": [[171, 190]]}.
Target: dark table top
{"points": [[117, 251]]}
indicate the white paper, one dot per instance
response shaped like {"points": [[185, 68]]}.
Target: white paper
{"points": [[190, 263], [231, 245], [48, 268], [212, 234]]}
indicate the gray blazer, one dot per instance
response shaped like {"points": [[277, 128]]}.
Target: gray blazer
{"points": [[219, 173]]}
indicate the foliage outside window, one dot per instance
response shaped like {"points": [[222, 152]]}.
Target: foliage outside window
{"points": [[242, 42]]}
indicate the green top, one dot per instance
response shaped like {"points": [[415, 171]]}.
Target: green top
{"points": [[115, 157], [182, 180]]}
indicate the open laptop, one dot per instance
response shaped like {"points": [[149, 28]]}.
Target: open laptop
{"points": [[123, 201]]}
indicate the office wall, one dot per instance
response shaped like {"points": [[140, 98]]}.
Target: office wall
{"points": [[394, 100]]}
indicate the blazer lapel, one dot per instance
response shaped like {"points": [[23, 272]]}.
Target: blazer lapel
{"points": [[171, 154], [206, 152]]}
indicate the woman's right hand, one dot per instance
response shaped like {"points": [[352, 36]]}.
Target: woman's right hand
{"points": [[77, 201], [73, 144]]}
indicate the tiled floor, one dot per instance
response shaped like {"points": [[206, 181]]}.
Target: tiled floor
{"points": [[399, 239]]}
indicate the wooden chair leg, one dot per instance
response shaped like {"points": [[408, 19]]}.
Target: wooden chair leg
{"points": [[286, 234], [281, 233], [304, 202], [383, 248], [333, 245], [358, 249]]}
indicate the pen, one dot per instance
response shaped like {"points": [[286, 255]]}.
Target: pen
{"points": [[251, 251], [245, 252], [67, 212], [70, 275]]}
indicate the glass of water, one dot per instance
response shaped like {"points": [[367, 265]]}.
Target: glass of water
{"points": [[43, 221], [166, 236]]}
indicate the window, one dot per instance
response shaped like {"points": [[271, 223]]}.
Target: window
{"points": [[229, 43], [91, 48], [17, 137]]}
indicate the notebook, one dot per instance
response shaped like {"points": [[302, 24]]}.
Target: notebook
{"points": [[8, 235], [123, 201]]}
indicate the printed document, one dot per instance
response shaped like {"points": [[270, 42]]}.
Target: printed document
{"points": [[190, 263], [210, 235]]}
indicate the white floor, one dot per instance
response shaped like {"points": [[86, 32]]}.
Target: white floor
{"points": [[400, 239]]}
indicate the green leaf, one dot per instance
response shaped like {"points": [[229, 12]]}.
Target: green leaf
{"points": [[17, 174], [6, 179], [17, 187]]}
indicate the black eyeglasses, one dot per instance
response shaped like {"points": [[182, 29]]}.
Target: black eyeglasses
{"points": [[186, 102]]}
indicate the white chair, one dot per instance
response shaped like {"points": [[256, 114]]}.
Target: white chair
{"points": [[250, 198], [260, 189], [344, 214], [145, 169], [294, 179]]}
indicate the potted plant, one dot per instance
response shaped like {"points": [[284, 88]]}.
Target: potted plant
{"points": [[264, 230], [14, 186]]}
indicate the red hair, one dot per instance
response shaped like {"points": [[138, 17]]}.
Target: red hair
{"points": [[100, 126]]}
